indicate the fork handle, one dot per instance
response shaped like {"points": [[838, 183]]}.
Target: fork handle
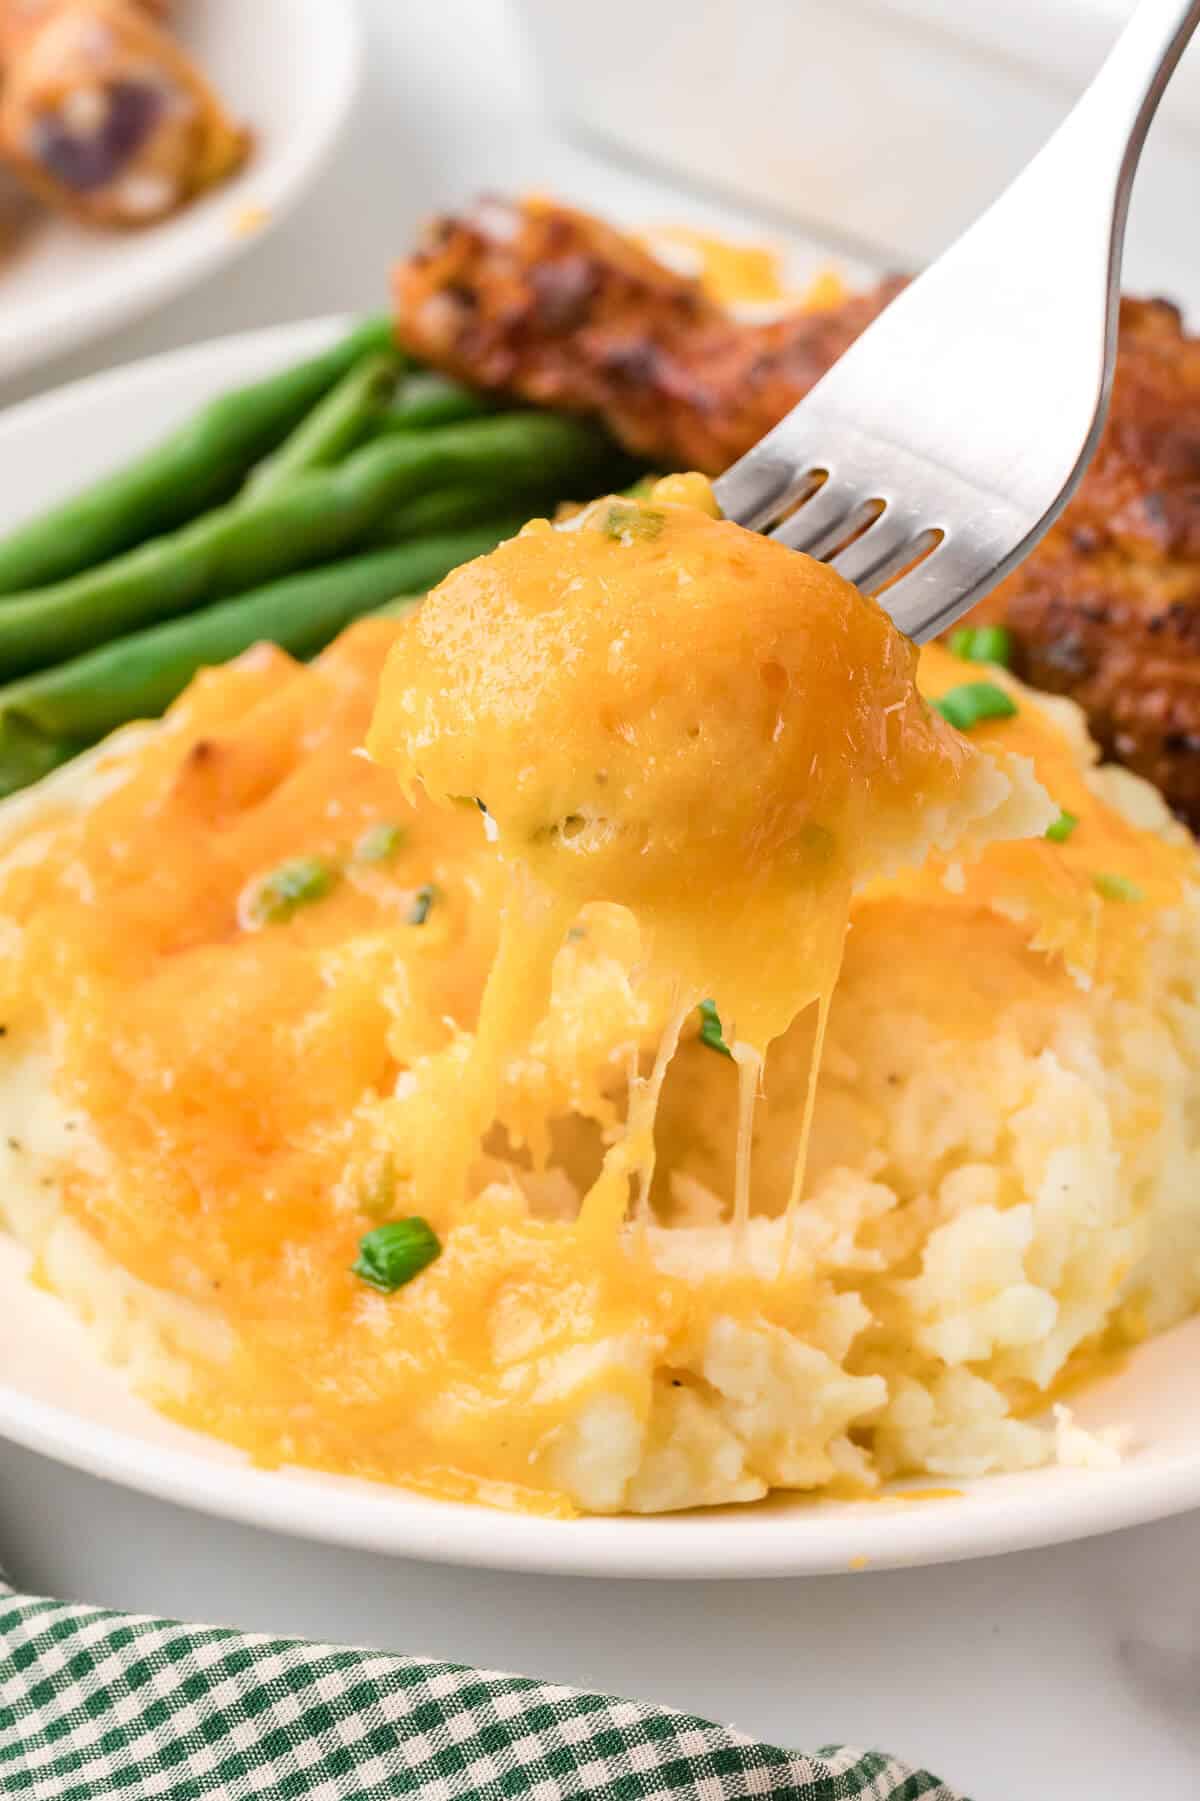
{"points": [[1129, 84], [1113, 114], [1093, 156], [972, 404], [1056, 233]]}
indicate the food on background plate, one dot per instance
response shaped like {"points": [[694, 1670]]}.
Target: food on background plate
{"points": [[545, 304], [103, 113], [337, 1187], [18, 210]]}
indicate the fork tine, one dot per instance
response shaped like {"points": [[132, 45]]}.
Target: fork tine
{"points": [[944, 584], [824, 519], [893, 533], [763, 484]]}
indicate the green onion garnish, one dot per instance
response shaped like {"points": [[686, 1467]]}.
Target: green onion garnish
{"points": [[422, 903], [380, 842], [983, 644], [1063, 826], [294, 884], [1116, 887], [974, 702], [624, 522], [393, 1254], [710, 1029]]}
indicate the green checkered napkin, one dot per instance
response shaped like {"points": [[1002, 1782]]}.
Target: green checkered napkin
{"points": [[96, 1704]]}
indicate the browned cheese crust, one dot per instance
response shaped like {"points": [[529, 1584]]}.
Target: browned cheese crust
{"points": [[554, 307]]}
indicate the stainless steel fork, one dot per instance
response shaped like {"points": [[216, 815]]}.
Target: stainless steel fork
{"points": [[943, 444]]}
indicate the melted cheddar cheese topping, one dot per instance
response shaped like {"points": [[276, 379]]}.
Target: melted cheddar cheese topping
{"points": [[286, 997], [662, 711]]}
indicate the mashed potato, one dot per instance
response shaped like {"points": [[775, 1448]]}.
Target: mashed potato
{"points": [[984, 1216], [230, 949]]}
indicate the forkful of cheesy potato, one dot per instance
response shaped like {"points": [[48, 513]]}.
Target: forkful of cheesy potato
{"points": [[658, 709]]}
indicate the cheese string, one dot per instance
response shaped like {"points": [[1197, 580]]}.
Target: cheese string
{"points": [[606, 1203], [644, 1104], [749, 1072], [800, 1167], [459, 1098]]}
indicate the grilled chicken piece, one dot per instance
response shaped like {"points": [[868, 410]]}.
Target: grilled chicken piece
{"points": [[556, 308], [1107, 609], [553, 306], [104, 114]]}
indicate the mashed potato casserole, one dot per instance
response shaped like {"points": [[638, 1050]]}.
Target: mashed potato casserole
{"points": [[678, 1063]]}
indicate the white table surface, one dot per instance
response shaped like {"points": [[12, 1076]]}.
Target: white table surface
{"points": [[1065, 1675]]}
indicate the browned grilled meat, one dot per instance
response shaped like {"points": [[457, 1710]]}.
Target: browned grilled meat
{"points": [[556, 307], [552, 306], [1107, 609]]}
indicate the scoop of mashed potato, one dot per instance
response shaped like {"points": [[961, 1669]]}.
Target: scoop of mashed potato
{"points": [[648, 680], [659, 708]]}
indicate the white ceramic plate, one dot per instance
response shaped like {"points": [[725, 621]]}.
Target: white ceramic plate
{"points": [[57, 1399], [289, 68]]}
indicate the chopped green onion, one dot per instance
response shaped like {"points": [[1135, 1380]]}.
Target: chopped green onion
{"points": [[1063, 826], [983, 644], [380, 842], [974, 702], [710, 1029], [625, 522], [422, 903], [391, 1255], [1116, 887], [293, 885]]}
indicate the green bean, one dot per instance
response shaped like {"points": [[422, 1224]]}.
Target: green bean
{"points": [[427, 399], [335, 426], [448, 508], [200, 464], [314, 519], [48, 718]]}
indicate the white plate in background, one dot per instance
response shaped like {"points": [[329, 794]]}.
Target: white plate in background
{"points": [[286, 68], [56, 1398], [882, 125]]}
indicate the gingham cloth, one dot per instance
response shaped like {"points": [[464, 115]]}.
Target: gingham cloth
{"points": [[96, 1704]]}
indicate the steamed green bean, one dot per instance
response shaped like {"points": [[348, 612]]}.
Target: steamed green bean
{"points": [[198, 466]]}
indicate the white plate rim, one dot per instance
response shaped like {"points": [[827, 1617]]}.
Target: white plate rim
{"points": [[725, 1544], [998, 1514], [200, 240]]}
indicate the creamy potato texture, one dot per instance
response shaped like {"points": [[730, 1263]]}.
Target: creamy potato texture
{"points": [[278, 993]]}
